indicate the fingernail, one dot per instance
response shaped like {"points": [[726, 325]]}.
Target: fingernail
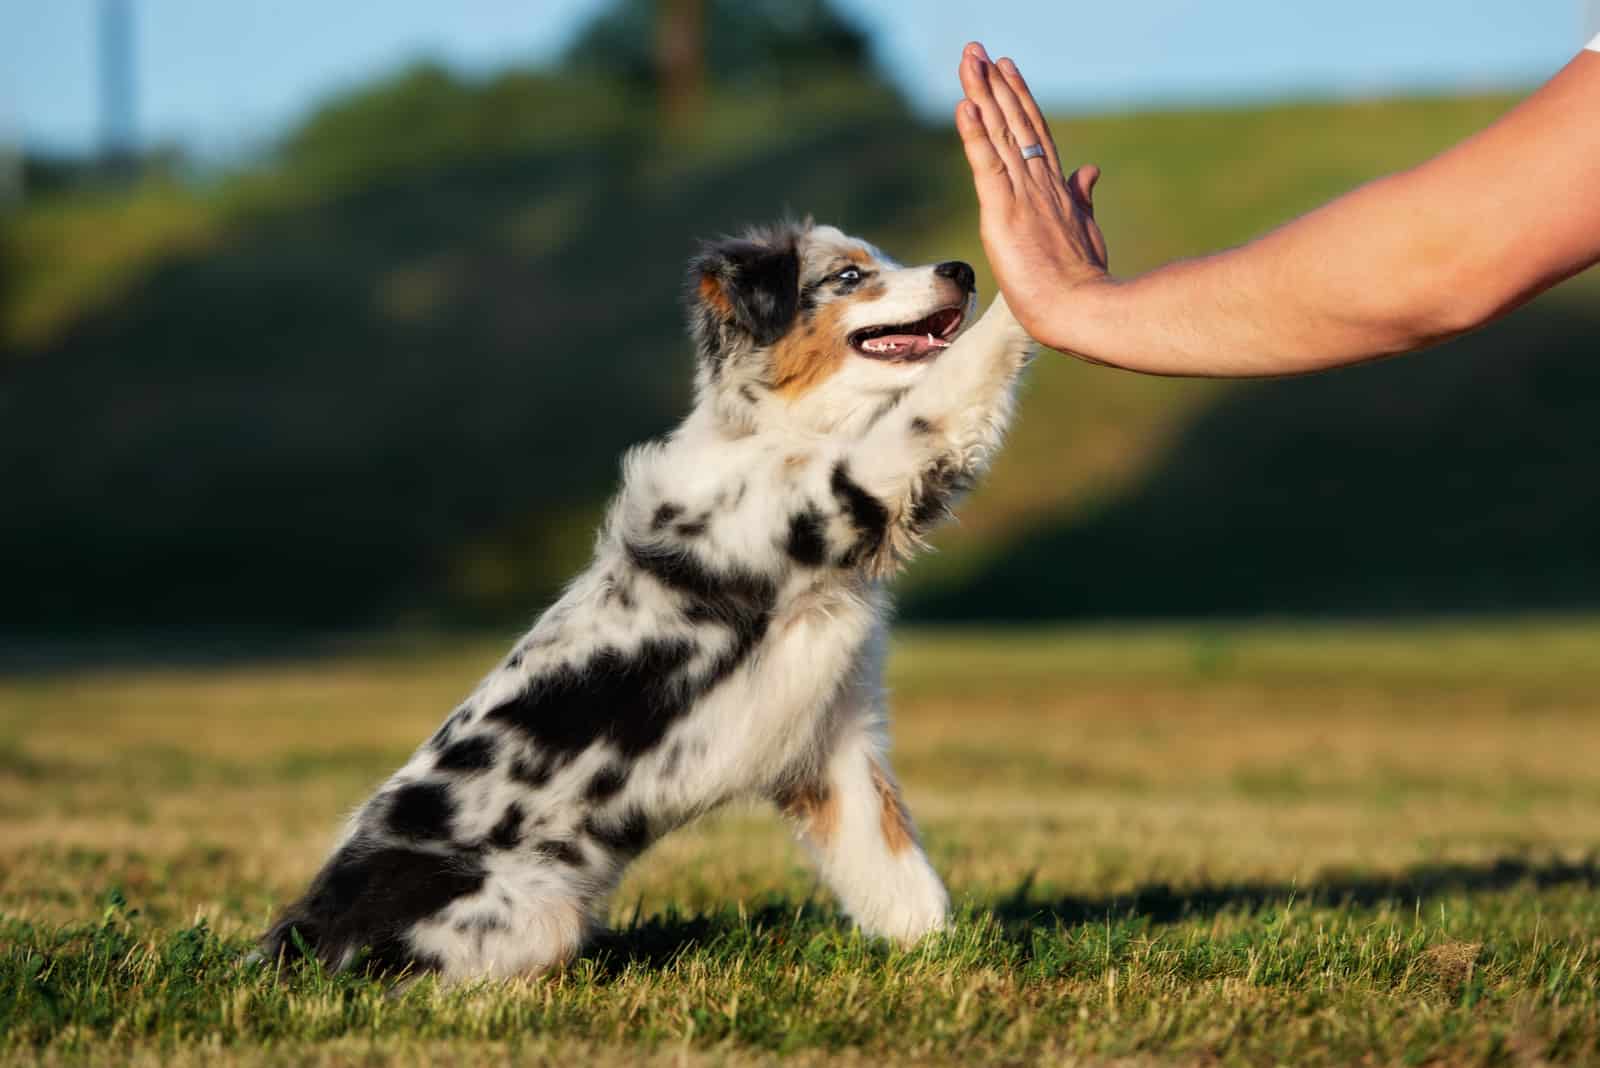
{"points": [[1009, 66]]}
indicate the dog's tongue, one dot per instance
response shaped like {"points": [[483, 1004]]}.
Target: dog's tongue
{"points": [[902, 346]]}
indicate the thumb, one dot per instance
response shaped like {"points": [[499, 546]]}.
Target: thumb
{"points": [[1082, 184]]}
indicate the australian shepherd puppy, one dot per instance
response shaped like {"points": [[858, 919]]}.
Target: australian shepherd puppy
{"points": [[727, 641]]}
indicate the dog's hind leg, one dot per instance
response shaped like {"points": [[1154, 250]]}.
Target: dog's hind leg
{"points": [[856, 827]]}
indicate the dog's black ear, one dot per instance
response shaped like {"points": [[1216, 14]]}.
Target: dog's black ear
{"points": [[754, 286]]}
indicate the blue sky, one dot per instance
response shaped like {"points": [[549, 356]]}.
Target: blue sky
{"points": [[225, 75]]}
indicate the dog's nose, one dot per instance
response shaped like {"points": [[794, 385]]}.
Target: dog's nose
{"points": [[959, 273]]}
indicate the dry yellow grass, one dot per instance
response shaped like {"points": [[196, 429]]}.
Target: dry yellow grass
{"points": [[1190, 785]]}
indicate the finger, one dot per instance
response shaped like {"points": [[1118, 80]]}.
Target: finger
{"points": [[1013, 77], [1082, 184], [975, 82], [988, 169], [1016, 120], [973, 59]]}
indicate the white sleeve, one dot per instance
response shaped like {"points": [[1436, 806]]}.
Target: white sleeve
{"points": [[1594, 45]]}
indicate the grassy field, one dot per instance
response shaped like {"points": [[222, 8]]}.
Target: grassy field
{"points": [[1273, 845]]}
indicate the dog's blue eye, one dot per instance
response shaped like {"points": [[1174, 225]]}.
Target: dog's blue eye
{"points": [[849, 274]]}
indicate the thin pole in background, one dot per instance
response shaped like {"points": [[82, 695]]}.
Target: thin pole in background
{"points": [[118, 87]]}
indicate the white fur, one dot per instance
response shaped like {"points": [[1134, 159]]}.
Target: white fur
{"points": [[799, 715]]}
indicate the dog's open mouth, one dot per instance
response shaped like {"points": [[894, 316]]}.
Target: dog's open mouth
{"points": [[909, 341]]}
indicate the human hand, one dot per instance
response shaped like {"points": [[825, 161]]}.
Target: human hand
{"points": [[1037, 224]]}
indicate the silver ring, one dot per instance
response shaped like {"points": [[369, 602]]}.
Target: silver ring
{"points": [[1032, 151]]}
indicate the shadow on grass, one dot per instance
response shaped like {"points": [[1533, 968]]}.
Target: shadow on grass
{"points": [[1161, 903], [657, 942]]}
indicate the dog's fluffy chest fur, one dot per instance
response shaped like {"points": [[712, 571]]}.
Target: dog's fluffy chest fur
{"points": [[745, 622], [725, 642]]}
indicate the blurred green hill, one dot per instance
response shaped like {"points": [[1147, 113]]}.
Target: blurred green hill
{"points": [[388, 377]]}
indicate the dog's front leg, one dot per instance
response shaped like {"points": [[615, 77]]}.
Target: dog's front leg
{"points": [[940, 437], [964, 401], [855, 825]]}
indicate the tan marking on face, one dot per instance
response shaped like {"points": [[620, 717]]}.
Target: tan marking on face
{"points": [[893, 818], [711, 293], [814, 806], [811, 353], [859, 256]]}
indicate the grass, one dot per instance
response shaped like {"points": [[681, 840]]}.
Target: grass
{"points": [[1258, 845]]}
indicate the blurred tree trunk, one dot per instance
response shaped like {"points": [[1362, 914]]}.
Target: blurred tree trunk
{"points": [[680, 59]]}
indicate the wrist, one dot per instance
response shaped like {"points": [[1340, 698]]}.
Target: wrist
{"points": [[1074, 315]]}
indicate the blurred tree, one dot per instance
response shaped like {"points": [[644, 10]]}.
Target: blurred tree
{"points": [[680, 40], [428, 116], [388, 377], [12, 171], [743, 42]]}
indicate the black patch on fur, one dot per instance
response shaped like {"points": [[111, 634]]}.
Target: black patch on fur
{"points": [[664, 515], [631, 698], [422, 810], [940, 484], [561, 851], [867, 514], [627, 698], [808, 545], [707, 329], [468, 755], [760, 281], [926, 510], [808, 297], [627, 838], [748, 394], [532, 771], [920, 425], [692, 530], [369, 899], [606, 784], [507, 834], [737, 599], [441, 737]]}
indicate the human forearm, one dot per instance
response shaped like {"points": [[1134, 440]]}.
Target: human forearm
{"points": [[1346, 283], [1396, 265]]}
